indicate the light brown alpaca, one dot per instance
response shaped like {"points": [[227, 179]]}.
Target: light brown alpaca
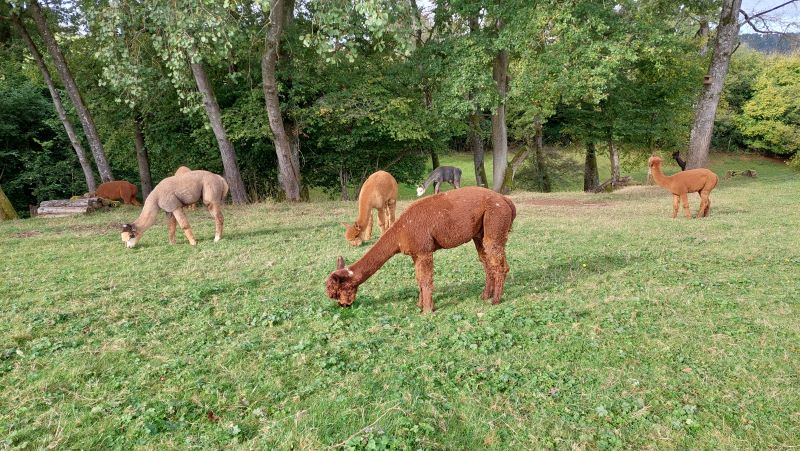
{"points": [[441, 221], [699, 180], [183, 170], [379, 191], [118, 190], [171, 195]]}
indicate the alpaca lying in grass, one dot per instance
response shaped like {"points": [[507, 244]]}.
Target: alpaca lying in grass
{"points": [[379, 191], [118, 190], [699, 180], [449, 174], [171, 195], [441, 221]]}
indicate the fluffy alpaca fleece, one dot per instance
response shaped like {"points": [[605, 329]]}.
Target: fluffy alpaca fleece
{"points": [[185, 170], [699, 180], [441, 221], [379, 191], [171, 195], [118, 190]]}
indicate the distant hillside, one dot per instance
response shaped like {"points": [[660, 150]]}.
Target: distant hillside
{"points": [[772, 43]]}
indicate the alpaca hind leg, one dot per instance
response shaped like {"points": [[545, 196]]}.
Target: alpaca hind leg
{"points": [[219, 221], [436, 187], [180, 216], [676, 202], [423, 266], [685, 202], [708, 207], [702, 206], [172, 225], [496, 226], [488, 289]]}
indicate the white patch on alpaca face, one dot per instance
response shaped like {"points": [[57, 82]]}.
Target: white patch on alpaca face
{"points": [[131, 243], [349, 273], [420, 191]]}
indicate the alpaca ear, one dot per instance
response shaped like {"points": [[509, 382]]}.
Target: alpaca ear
{"points": [[346, 225], [340, 263]]}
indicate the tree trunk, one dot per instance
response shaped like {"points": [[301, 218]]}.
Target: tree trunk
{"points": [[434, 159], [74, 94], [228, 154], [499, 131], [724, 45], [86, 165], [288, 158], [476, 142], [590, 176], [541, 165], [613, 154], [512, 167], [6, 209], [142, 158]]}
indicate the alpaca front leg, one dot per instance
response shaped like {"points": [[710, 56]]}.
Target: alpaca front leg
{"points": [[676, 202], [423, 266], [367, 233], [172, 224], [496, 254], [382, 220], [685, 202], [180, 216], [391, 206]]}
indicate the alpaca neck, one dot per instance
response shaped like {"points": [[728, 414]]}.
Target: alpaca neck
{"points": [[659, 176], [149, 213], [431, 178], [376, 256], [364, 210]]}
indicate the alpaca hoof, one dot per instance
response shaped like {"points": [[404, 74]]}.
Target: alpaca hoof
{"points": [[217, 238], [485, 296], [193, 243]]}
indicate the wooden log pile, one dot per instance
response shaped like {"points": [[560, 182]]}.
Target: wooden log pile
{"points": [[69, 207]]}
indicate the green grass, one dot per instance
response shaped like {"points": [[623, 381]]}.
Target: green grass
{"points": [[619, 328]]}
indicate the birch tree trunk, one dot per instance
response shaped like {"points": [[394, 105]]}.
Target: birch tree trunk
{"points": [[86, 165], [288, 157], [72, 90], [228, 154], [613, 155], [476, 142], [499, 130], [724, 45], [590, 176], [142, 158]]}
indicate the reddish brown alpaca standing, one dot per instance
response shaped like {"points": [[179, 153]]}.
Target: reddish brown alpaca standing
{"points": [[379, 192], [441, 221], [118, 190], [699, 180]]}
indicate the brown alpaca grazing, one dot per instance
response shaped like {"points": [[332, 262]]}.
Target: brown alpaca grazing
{"points": [[379, 191], [118, 190], [171, 195], [701, 181], [441, 221]]}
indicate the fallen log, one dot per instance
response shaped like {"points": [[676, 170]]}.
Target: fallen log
{"points": [[68, 207], [611, 185]]}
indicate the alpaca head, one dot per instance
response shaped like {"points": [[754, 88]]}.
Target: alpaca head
{"points": [[654, 161], [340, 285], [352, 233], [130, 235], [420, 191], [676, 154]]}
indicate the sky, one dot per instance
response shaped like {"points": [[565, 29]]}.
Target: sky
{"points": [[784, 19]]}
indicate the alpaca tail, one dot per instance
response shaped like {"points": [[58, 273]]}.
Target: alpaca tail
{"points": [[513, 208]]}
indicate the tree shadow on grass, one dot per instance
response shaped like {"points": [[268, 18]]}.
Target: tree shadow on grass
{"points": [[520, 282]]}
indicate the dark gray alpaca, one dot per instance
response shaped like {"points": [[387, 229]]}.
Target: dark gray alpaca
{"points": [[677, 156], [441, 174]]}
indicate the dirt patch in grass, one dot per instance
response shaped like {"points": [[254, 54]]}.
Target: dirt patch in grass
{"points": [[563, 203], [26, 234]]}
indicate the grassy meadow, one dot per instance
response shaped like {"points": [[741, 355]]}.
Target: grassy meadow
{"points": [[619, 328]]}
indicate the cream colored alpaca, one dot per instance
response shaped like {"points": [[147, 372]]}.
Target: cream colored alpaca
{"points": [[700, 181], [171, 195], [379, 192]]}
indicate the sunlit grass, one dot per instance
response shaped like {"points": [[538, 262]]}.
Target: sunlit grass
{"points": [[619, 327]]}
